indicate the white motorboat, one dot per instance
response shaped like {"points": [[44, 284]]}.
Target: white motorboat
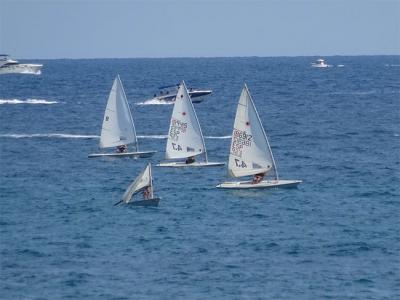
{"points": [[118, 130], [185, 139], [320, 64], [250, 153], [168, 94], [8, 65]]}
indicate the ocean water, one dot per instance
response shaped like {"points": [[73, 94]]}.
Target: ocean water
{"points": [[337, 236]]}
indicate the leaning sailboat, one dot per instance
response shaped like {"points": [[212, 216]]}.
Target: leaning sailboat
{"points": [[185, 139], [250, 153], [118, 130], [142, 184]]}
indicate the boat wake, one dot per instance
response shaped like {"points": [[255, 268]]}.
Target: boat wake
{"points": [[87, 136], [166, 136], [49, 135], [27, 101], [160, 136], [155, 102], [224, 137]]}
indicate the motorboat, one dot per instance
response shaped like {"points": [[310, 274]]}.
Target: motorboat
{"points": [[320, 64], [8, 65], [168, 93]]}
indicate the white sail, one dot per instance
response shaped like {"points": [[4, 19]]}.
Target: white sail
{"points": [[184, 137], [142, 181], [250, 152], [118, 128]]}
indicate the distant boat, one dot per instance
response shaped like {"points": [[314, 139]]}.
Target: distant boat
{"points": [[168, 94], [143, 183], [320, 64], [250, 153], [185, 139], [118, 130], [8, 65]]}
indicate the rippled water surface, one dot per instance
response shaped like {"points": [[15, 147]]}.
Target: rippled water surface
{"points": [[336, 236]]}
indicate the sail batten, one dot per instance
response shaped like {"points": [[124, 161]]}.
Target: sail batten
{"points": [[250, 152], [185, 138], [118, 127]]}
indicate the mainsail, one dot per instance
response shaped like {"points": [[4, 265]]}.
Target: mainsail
{"points": [[118, 128], [185, 138], [143, 180], [250, 152]]}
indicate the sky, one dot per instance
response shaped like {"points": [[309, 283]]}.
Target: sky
{"points": [[194, 28]]}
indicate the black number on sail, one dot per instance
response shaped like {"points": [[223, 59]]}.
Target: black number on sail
{"points": [[176, 147], [239, 163]]}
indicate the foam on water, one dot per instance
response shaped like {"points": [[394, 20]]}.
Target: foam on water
{"points": [[87, 136], [224, 137], [49, 135], [160, 136], [155, 102], [27, 101]]}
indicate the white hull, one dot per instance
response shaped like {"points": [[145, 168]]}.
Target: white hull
{"points": [[196, 96], [142, 154], [182, 164], [263, 184], [171, 100], [22, 69]]}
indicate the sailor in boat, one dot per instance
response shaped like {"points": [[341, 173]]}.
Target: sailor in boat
{"points": [[122, 149], [190, 160], [147, 193], [258, 178]]}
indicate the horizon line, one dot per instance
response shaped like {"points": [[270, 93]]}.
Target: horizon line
{"points": [[199, 57]]}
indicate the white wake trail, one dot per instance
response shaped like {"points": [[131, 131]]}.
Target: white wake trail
{"points": [[49, 135], [27, 101], [87, 136], [155, 102]]}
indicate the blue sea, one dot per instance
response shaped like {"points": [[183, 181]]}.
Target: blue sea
{"points": [[336, 236]]}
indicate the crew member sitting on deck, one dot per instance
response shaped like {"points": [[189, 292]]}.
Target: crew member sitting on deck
{"points": [[258, 178], [122, 149], [190, 160]]}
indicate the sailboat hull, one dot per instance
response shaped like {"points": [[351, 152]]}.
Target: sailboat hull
{"points": [[262, 185], [182, 164], [141, 154], [149, 202]]}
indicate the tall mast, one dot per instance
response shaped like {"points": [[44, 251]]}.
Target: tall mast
{"points": [[130, 114], [195, 114], [265, 135]]}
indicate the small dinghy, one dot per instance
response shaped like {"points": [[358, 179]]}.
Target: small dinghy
{"points": [[118, 130], [143, 183], [185, 139], [250, 153]]}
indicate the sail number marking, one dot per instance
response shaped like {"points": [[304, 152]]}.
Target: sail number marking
{"points": [[176, 147], [177, 127], [240, 163], [239, 139]]}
